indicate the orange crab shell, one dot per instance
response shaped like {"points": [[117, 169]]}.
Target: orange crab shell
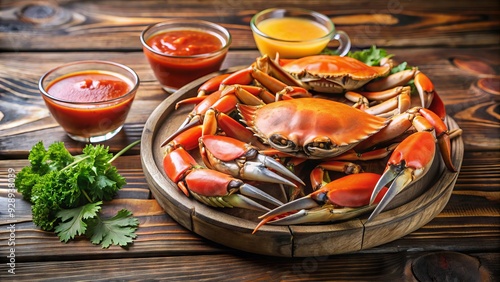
{"points": [[326, 73], [307, 122]]}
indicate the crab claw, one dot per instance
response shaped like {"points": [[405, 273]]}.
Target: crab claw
{"points": [[312, 213], [425, 89], [220, 190], [410, 161], [240, 200], [212, 187], [242, 160], [341, 199]]}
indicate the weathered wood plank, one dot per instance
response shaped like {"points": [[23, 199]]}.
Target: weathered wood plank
{"points": [[454, 42], [244, 267], [76, 25]]}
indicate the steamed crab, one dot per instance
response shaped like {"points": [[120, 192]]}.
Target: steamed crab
{"points": [[281, 120], [334, 74]]}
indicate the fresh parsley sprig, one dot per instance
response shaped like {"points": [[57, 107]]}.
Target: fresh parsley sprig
{"points": [[67, 192]]}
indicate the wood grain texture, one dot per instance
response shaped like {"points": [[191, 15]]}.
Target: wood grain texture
{"points": [[454, 42], [385, 23], [244, 267]]}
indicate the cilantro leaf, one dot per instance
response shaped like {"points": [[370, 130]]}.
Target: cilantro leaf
{"points": [[97, 176], [73, 220], [118, 230], [401, 67], [373, 57]]}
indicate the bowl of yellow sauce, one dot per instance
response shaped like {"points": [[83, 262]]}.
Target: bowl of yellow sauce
{"points": [[295, 33]]}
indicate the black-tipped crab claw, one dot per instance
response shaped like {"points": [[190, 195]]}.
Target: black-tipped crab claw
{"points": [[236, 193], [242, 160], [341, 199], [410, 161], [212, 187]]}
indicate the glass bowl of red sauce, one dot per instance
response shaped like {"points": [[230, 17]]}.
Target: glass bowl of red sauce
{"points": [[90, 99], [182, 50]]}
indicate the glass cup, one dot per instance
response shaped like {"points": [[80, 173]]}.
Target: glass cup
{"points": [[295, 33], [89, 99], [182, 50]]}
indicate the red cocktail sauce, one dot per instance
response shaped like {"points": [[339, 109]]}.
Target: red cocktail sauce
{"points": [[88, 103], [173, 69]]}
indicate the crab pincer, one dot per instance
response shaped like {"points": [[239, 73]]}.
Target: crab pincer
{"points": [[341, 199], [243, 160], [211, 187], [410, 160], [228, 161]]}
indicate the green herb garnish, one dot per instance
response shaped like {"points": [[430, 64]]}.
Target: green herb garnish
{"points": [[370, 56], [67, 192]]}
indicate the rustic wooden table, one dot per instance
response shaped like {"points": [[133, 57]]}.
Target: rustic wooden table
{"points": [[456, 43]]}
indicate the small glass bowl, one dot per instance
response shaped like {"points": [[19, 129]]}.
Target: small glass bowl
{"points": [[173, 70], [79, 97], [292, 45]]}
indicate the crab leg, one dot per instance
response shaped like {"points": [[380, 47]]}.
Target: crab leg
{"points": [[224, 101], [437, 106], [214, 120], [423, 84], [393, 101], [425, 89], [344, 198], [188, 139], [212, 187], [442, 136], [410, 161], [273, 70], [422, 120], [228, 90], [246, 94], [317, 175], [242, 76], [212, 85], [391, 81], [267, 81]]}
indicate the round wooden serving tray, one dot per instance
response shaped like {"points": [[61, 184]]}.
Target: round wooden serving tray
{"points": [[411, 209]]}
